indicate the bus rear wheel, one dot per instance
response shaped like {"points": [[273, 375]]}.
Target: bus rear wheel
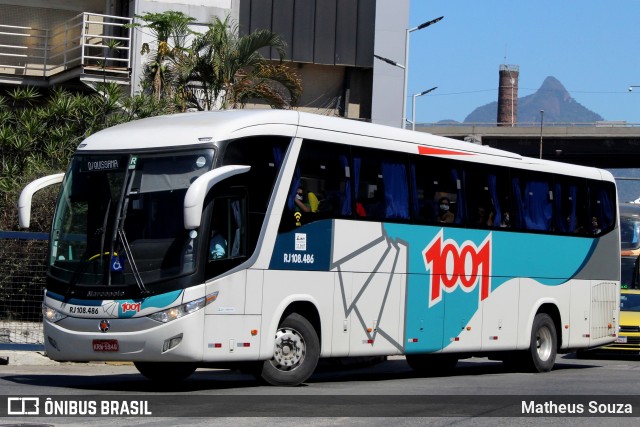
{"points": [[296, 353], [165, 372], [541, 355]]}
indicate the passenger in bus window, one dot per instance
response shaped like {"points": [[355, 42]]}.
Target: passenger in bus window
{"points": [[217, 245], [595, 228], [483, 219], [506, 220], [306, 203], [445, 215]]}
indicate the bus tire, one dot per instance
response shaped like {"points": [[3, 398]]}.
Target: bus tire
{"points": [[296, 353], [165, 372], [541, 355], [432, 364]]}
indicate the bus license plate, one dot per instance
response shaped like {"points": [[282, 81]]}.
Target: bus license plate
{"points": [[105, 345], [621, 340]]}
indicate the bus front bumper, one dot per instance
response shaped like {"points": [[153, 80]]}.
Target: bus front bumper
{"points": [[132, 339]]}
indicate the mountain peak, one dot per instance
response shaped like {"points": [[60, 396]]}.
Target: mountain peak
{"points": [[552, 84], [552, 97]]}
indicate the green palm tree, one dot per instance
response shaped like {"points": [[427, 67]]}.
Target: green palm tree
{"points": [[170, 30], [230, 70]]}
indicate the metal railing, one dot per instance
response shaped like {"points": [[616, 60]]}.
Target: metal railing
{"points": [[22, 280], [95, 43]]}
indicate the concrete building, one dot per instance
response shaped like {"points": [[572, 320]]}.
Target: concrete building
{"points": [[48, 43]]}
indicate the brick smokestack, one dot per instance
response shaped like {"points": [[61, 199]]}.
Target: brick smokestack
{"points": [[508, 95]]}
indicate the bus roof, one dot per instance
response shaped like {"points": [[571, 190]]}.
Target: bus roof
{"points": [[192, 129]]}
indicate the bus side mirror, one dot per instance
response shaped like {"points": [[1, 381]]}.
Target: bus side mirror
{"points": [[24, 203], [194, 199]]}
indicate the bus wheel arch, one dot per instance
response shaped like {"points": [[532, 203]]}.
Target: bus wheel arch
{"points": [[552, 311], [296, 346], [545, 338]]}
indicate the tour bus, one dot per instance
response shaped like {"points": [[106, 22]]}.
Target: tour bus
{"points": [[265, 240], [629, 245]]}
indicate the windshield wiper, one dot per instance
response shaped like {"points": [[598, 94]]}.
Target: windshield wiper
{"points": [[132, 262], [122, 214]]}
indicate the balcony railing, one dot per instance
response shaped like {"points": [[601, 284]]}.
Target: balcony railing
{"points": [[89, 42]]}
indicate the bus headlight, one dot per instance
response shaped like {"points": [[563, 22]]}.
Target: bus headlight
{"points": [[51, 314], [174, 313]]}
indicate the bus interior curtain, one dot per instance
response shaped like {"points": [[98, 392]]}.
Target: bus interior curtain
{"points": [[396, 193], [235, 247], [518, 204], [605, 213], [357, 161], [573, 218], [277, 157], [415, 208], [538, 206], [560, 222], [461, 206], [495, 201]]}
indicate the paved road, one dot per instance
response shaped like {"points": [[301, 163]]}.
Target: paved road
{"points": [[374, 395]]}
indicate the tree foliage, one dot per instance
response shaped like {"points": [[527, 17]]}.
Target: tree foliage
{"points": [[171, 31], [38, 135], [218, 69]]}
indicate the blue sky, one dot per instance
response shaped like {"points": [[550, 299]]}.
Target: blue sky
{"points": [[592, 47]]}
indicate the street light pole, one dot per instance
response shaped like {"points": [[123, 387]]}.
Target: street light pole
{"points": [[413, 109], [389, 61], [406, 63]]}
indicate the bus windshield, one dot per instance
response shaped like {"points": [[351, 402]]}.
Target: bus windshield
{"points": [[629, 232], [629, 302], [119, 219]]}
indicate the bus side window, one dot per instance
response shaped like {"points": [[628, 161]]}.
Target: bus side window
{"points": [[601, 207], [322, 177], [487, 195], [533, 202], [570, 210], [383, 186], [434, 184], [227, 240]]}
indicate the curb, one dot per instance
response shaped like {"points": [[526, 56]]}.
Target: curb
{"points": [[25, 358]]}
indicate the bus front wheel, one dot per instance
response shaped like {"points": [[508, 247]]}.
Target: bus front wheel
{"points": [[296, 353]]}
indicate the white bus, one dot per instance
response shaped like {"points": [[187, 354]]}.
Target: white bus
{"points": [[269, 239]]}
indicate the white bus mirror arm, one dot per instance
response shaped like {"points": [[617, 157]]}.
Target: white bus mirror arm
{"points": [[24, 203], [197, 192]]}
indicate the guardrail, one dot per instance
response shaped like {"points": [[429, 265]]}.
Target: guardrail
{"points": [[93, 42]]}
